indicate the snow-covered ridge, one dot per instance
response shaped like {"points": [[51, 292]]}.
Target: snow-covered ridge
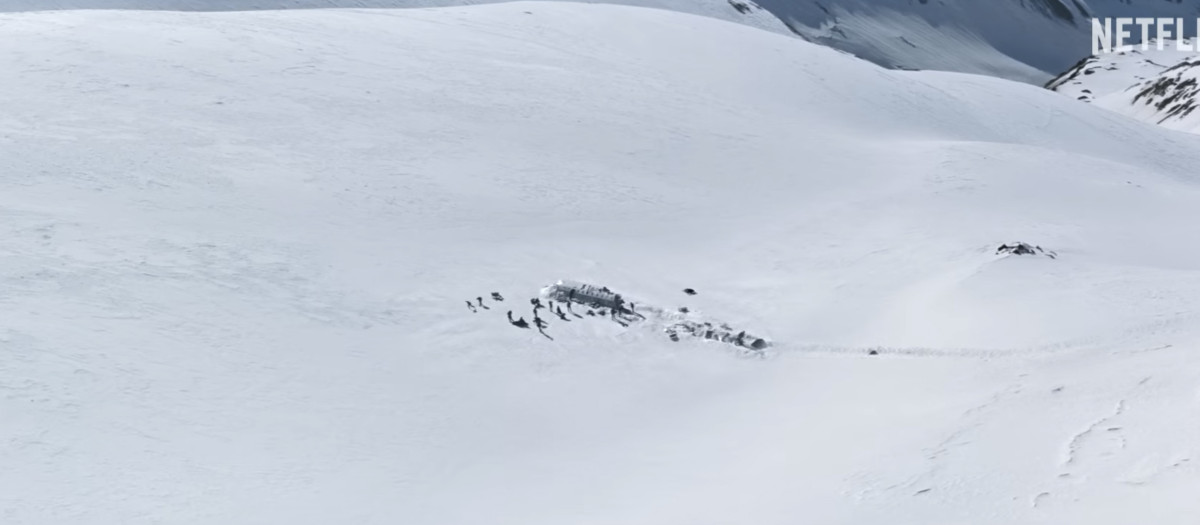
{"points": [[236, 249], [1027, 40], [1152, 85]]}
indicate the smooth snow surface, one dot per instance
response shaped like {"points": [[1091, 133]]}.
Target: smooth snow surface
{"points": [[741, 11], [237, 247]]}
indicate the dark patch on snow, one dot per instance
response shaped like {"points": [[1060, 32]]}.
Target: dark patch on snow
{"points": [[1054, 8], [676, 324], [1071, 73], [741, 7], [1021, 248], [1171, 95]]}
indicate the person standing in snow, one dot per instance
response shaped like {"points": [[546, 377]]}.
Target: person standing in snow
{"points": [[519, 323]]}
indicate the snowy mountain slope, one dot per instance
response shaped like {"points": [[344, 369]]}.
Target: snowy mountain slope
{"points": [[741, 11], [1152, 85], [1026, 40], [237, 247]]}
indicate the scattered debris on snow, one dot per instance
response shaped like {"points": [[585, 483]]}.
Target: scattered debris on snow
{"points": [[675, 323]]}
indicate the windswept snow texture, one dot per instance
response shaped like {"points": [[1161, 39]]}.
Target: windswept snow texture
{"points": [[1153, 85], [741, 11], [236, 248], [1026, 40]]}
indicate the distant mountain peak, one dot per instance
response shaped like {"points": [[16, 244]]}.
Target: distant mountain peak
{"points": [[1026, 40], [1156, 86]]}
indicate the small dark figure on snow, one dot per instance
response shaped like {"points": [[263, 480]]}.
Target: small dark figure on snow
{"points": [[481, 305], [689, 291], [741, 338], [519, 323], [497, 297], [633, 310], [572, 312], [472, 307], [540, 323]]}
